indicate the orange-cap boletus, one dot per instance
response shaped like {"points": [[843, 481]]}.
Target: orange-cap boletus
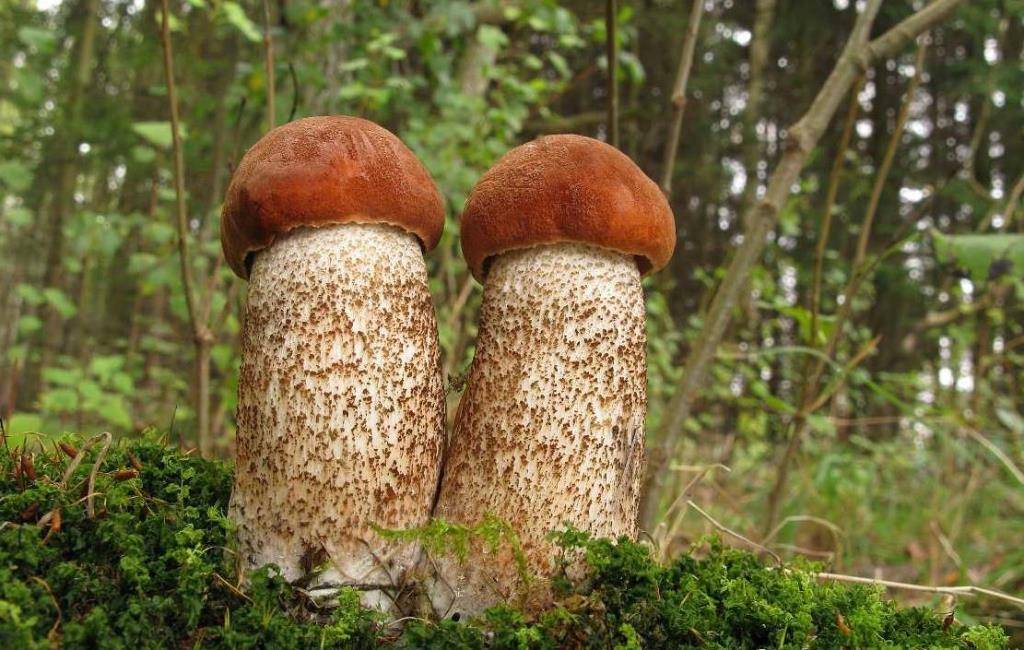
{"points": [[550, 429], [340, 399]]}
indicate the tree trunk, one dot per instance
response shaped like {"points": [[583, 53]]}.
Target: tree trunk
{"points": [[67, 159]]}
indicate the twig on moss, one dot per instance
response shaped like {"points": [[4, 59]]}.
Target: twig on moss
{"points": [[960, 590], [232, 588], [671, 530], [77, 460], [90, 508], [56, 605], [835, 530], [198, 307], [733, 533], [694, 481], [803, 550]]}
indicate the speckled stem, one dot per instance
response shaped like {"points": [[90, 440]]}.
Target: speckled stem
{"points": [[340, 405], [550, 430]]}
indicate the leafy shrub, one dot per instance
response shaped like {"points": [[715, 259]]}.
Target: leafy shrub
{"points": [[153, 566]]}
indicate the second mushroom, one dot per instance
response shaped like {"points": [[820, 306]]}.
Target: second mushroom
{"points": [[550, 430]]}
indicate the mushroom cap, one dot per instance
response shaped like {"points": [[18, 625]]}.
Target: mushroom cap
{"points": [[321, 171], [567, 188]]}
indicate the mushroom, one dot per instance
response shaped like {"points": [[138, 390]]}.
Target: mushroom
{"points": [[340, 398], [550, 430]]}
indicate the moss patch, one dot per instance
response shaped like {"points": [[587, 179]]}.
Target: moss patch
{"points": [[153, 567]]}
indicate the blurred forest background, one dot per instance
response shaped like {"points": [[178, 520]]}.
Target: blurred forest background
{"points": [[864, 405]]}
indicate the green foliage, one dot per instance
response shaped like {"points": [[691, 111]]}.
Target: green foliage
{"points": [[985, 257], [153, 567]]}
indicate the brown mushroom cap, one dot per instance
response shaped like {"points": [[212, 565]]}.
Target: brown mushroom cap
{"points": [[328, 170], [567, 188]]}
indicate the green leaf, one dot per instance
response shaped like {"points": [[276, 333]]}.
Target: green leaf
{"points": [[41, 39], [236, 16], [760, 389], [491, 37], [28, 324], [29, 86], [157, 134], [142, 154], [15, 175], [985, 257], [105, 366], [59, 301], [115, 411], [559, 63], [159, 232], [59, 400], [29, 294], [122, 383], [62, 376], [19, 217], [822, 424], [24, 423]]}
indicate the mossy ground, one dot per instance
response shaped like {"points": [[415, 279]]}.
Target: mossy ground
{"points": [[153, 567]]}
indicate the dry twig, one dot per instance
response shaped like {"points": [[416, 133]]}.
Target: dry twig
{"points": [[961, 590], [714, 522], [612, 44], [679, 94], [91, 486], [268, 45]]}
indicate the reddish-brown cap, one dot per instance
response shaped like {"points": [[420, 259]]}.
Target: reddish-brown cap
{"points": [[326, 170], [567, 188]]}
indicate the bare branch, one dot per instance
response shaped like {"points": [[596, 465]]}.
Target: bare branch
{"points": [[830, 200], [198, 316], [679, 94], [890, 43], [179, 171], [612, 45], [887, 159], [803, 137], [998, 453], [268, 46]]}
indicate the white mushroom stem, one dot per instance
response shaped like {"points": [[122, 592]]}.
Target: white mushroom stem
{"points": [[550, 431], [340, 405]]}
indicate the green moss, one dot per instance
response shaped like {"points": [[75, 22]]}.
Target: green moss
{"points": [[154, 568]]}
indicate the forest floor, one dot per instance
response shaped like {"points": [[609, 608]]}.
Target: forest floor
{"points": [[128, 544]]}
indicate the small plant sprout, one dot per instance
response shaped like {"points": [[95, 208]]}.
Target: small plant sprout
{"points": [[550, 430], [340, 400]]}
